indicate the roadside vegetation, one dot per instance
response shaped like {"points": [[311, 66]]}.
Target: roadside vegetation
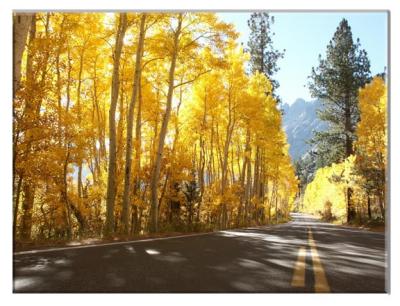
{"points": [[130, 124], [349, 180]]}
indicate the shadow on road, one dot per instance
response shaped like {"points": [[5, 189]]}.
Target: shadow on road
{"points": [[245, 260]]}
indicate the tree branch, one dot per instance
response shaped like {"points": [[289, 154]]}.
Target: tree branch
{"points": [[192, 80]]}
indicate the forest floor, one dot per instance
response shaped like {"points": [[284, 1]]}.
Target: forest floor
{"points": [[29, 245], [380, 228], [376, 225], [372, 226]]}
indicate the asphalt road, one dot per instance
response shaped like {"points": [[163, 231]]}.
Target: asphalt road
{"points": [[303, 255]]}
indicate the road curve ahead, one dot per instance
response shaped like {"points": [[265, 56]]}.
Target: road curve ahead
{"points": [[303, 255]]}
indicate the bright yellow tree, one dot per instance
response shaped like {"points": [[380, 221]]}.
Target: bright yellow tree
{"points": [[371, 145]]}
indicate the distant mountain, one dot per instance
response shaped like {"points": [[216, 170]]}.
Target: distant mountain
{"points": [[299, 121]]}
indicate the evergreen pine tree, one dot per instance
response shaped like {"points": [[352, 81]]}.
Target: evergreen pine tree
{"points": [[263, 55], [336, 82]]}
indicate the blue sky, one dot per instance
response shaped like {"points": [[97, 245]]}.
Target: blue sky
{"points": [[305, 35]]}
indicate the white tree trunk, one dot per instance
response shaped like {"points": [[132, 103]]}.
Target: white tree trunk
{"points": [[111, 182], [163, 132], [128, 156]]}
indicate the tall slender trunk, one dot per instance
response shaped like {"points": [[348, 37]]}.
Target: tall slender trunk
{"points": [[211, 160], [29, 112], [138, 147], [111, 180], [64, 195], [120, 143], [16, 206], [242, 185], [100, 146], [350, 209], [369, 206], [232, 166], [224, 158], [246, 172], [275, 192], [21, 25], [63, 181], [78, 99], [202, 161], [27, 206], [129, 119], [163, 132], [248, 209], [381, 198], [263, 183], [348, 151], [256, 180], [64, 189]]}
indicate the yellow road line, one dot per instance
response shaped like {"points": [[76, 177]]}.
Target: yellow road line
{"points": [[299, 274], [321, 284]]}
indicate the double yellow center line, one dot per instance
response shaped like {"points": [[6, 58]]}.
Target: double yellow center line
{"points": [[298, 280]]}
